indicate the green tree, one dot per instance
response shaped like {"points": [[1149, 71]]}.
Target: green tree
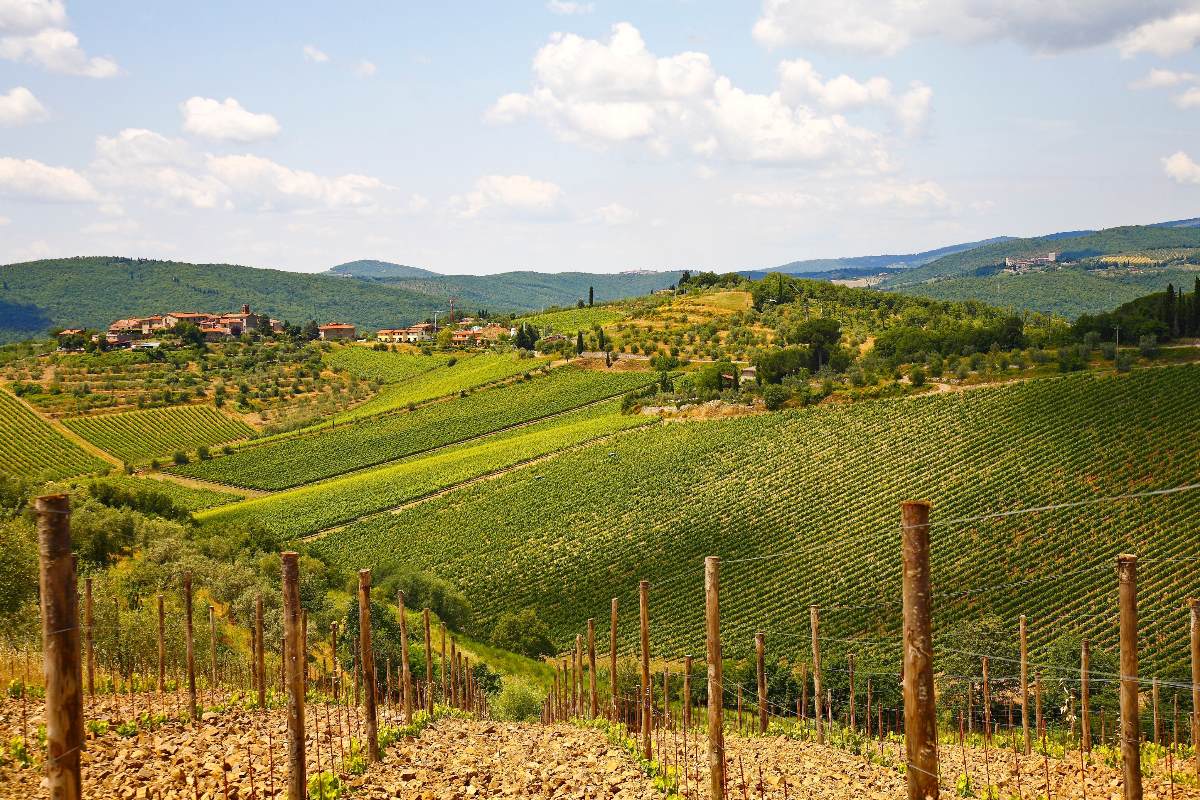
{"points": [[523, 633], [579, 348]]}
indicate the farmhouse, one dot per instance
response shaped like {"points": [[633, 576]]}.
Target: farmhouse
{"points": [[215, 327], [415, 333], [1026, 264], [337, 331]]}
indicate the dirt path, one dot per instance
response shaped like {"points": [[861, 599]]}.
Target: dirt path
{"points": [[196, 483]]}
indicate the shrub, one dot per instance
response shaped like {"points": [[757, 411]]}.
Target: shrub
{"points": [[180, 457], [774, 396], [518, 702], [1148, 345], [916, 376], [523, 633], [203, 453]]}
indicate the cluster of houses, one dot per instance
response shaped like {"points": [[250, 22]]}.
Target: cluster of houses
{"points": [[467, 332], [1027, 264], [139, 332]]}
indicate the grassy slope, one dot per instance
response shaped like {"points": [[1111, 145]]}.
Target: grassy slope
{"points": [[818, 491]]}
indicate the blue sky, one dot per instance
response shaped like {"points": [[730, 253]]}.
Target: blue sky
{"points": [[601, 136]]}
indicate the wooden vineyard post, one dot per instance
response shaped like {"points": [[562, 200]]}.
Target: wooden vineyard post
{"points": [[162, 647], [189, 640], [428, 662], [368, 662], [337, 666], [577, 675], [716, 689], [687, 692], [453, 673], [594, 705], [1025, 684], [850, 668], [987, 704], [814, 621], [920, 713], [644, 613], [294, 667], [445, 664], [1130, 728], [1085, 696], [612, 660], [1194, 605], [760, 653], [260, 661], [1037, 703], [91, 651], [60, 647], [405, 670], [212, 651]]}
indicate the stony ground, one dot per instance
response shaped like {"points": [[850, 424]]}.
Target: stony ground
{"points": [[240, 754]]}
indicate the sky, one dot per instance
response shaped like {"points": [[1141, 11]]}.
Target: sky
{"points": [[595, 135]]}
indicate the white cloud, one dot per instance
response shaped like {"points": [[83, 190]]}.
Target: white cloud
{"points": [[365, 68], [20, 107], [1189, 99], [1164, 79], [616, 92], [510, 195], [800, 82], [109, 227], [779, 199], [615, 214], [32, 31], [149, 163], [888, 26], [27, 179], [1164, 37], [567, 7], [918, 195], [274, 186], [1181, 168], [312, 53], [226, 121]]}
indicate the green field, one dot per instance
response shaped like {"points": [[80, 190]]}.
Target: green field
{"points": [[573, 320], [189, 498], [382, 365], [468, 373], [803, 507], [138, 436], [31, 448], [294, 461], [308, 509]]}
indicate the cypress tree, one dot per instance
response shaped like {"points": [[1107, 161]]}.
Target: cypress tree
{"points": [[1195, 327], [591, 295], [579, 342]]}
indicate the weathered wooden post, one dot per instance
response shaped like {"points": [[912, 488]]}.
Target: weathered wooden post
{"points": [[814, 621], [577, 675], [1130, 728], [428, 662], [293, 664], [716, 688], [453, 673], [1194, 605], [60, 647], [1085, 696], [162, 646], [687, 692], [406, 671], [190, 643], [920, 713], [91, 650], [644, 607], [260, 662], [612, 661], [850, 668], [1037, 702], [760, 652], [368, 663], [594, 705], [445, 665], [212, 649], [1025, 685]]}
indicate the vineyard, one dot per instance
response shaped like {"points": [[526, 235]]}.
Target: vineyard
{"points": [[572, 320], [382, 365], [31, 448], [814, 493], [308, 509], [294, 461], [138, 436], [469, 372]]}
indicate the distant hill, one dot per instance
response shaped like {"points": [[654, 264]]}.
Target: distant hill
{"points": [[93, 291], [857, 266], [369, 268], [509, 291]]}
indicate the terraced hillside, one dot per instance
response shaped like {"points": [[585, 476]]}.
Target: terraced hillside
{"points": [[31, 448], [294, 461], [803, 508], [138, 436]]}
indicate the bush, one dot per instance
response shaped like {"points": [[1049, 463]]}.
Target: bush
{"points": [[1148, 345], [518, 702], [774, 396], [1124, 361], [523, 633], [180, 457], [916, 376], [203, 453]]}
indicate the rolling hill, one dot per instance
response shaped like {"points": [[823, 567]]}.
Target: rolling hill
{"points": [[94, 291]]}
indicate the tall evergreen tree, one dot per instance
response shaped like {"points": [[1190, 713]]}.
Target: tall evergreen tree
{"points": [[579, 342], [591, 296]]}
